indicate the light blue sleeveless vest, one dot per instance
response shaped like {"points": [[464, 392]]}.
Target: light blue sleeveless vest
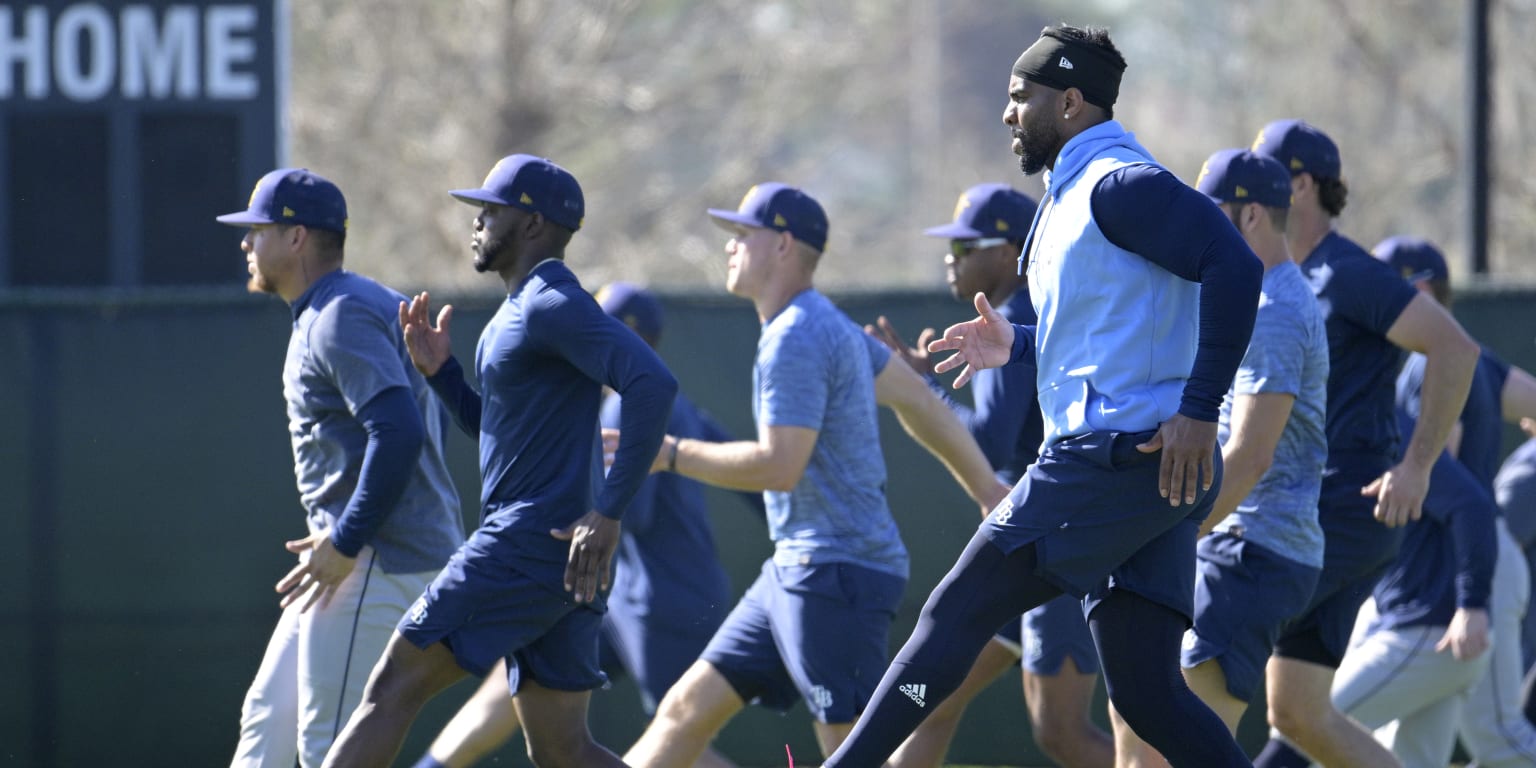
{"points": [[1117, 333]]}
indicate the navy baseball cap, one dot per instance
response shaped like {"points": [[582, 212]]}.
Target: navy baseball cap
{"points": [[780, 207], [1415, 258], [989, 210], [293, 196], [1300, 147], [633, 306], [1245, 176], [533, 184]]}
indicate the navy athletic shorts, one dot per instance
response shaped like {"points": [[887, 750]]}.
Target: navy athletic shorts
{"points": [[1091, 507], [1054, 632], [1244, 595], [815, 632], [654, 652], [485, 610], [1356, 549]]}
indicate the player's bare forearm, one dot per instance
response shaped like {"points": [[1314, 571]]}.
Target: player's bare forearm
{"points": [[1257, 422], [741, 465], [933, 425], [1239, 474], [1450, 356], [1447, 379], [1518, 398]]}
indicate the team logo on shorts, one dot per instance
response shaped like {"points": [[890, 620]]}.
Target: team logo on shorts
{"points": [[419, 611], [821, 698], [1004, 512]]}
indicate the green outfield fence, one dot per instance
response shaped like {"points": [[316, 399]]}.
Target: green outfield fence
{"points": [[150, 488]]}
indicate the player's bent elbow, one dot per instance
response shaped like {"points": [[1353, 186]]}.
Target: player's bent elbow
{"points": [[780, 483]]}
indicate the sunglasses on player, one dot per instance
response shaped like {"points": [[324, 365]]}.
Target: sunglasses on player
{"points": [[959, 248]]}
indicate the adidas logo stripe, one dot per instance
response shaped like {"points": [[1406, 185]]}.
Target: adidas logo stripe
{"points": [[915, 692]]}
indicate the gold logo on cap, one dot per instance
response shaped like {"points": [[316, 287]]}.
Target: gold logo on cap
{"points": [[960, 205], [1241, 191], [1205, 170], [1002, 226], [287, 212], [1258, 141], [747, 196], [778, 221], [524, 199], [1407, 272], [1296, 164]]}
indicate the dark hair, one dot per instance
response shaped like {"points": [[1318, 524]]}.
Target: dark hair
{"points": [[1097, 37], [1331, 194], [558, 236], [1278, 217], [329, 243]]}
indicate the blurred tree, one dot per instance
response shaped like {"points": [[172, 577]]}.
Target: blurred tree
{"points": [[883, 110]]}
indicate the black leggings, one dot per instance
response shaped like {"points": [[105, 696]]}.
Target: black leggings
{"points": [[1138, 643]]}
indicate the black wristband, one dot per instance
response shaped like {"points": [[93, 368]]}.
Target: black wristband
{"points": [[672, 457]]}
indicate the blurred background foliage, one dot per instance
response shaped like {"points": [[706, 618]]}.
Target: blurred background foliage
{"points": [[882, 109]]}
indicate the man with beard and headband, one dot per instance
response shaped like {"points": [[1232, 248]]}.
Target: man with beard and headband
{"points": [[1060, 664], [382, 512], [1146, 297], [529, 586]]}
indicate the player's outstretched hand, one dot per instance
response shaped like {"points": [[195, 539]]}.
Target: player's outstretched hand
{"points": [[1399, 494], [429, 347], [986, 342], [593, 539], [917, 358], [1188, 463], [316, 576], [1467, 634]]}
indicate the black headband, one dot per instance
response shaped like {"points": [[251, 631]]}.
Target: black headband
{"points": [[1060, 62]]}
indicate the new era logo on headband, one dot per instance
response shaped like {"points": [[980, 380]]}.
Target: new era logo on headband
{"points": [[1060, 60]]}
